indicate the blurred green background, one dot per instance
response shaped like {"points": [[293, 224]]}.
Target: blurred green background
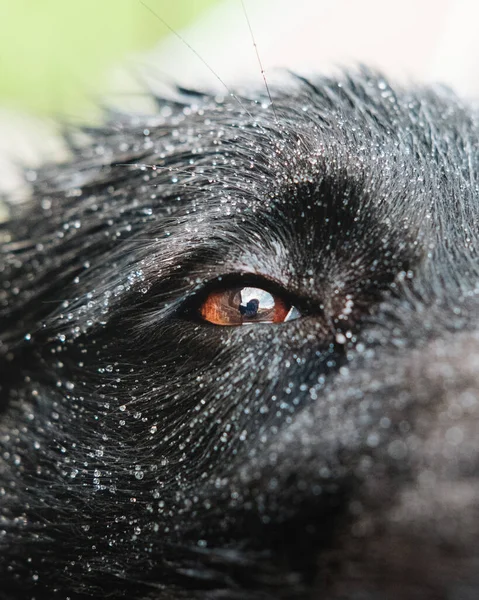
{"points": [[54, 53]]}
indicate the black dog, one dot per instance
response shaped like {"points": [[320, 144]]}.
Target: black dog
{"points": [[239, 353]]}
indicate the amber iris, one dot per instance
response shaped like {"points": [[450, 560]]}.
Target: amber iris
{"points": [[243, 305]]}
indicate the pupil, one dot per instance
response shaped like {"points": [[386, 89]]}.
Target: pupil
{"points": [[250, 309]]}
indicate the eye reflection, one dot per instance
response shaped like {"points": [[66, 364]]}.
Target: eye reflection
{"points": [[246, 305]]}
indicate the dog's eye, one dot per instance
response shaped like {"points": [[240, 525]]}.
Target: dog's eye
{"points": [[246, 305]]}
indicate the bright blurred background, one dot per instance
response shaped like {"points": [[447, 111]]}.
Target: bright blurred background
{"points": [[54, 54], [60, 58], [57, 56]]}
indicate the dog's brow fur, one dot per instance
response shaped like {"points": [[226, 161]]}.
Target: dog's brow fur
{"points": [[147, 454]]}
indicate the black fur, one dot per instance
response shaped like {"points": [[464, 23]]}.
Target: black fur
{"points": [[147, 454]]}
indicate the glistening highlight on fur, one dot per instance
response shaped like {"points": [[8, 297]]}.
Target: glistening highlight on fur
{"points": [[148, 454]]}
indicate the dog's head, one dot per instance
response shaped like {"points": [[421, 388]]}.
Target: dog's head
{"points": [[240, 355]]}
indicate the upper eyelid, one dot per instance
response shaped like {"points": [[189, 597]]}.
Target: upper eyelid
{"points": [[245, 279]]}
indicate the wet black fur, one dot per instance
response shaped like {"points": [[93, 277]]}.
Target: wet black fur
{"points": [[147, 454]]}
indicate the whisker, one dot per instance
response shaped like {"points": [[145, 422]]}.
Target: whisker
{"points": [[258, 57], [198, 55]]}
